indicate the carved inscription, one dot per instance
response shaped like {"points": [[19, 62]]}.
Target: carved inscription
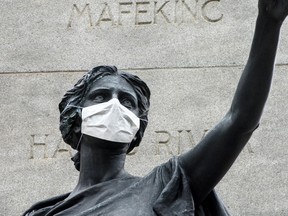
{"points": [[144, 13], [179, 142], [42, 148], [45, 146], [166, 144], [38, 146]]}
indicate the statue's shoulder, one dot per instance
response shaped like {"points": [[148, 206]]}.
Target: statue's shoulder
{"points": [[45, 205]]}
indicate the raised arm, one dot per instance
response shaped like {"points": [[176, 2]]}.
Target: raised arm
{"points": [[208, 162]]}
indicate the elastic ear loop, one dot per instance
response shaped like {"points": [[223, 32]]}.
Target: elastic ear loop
{"points": [[78, 144], [77, 148]]}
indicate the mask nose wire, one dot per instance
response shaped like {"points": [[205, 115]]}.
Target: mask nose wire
{"points": [[84, 107]]}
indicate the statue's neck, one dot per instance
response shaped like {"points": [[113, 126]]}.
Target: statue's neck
{"points": [[100, 161]]}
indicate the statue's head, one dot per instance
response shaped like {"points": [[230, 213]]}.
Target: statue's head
{"points": [[70, 111]]}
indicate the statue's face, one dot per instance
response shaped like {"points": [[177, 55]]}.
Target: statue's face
{"points": [[109, 87]]}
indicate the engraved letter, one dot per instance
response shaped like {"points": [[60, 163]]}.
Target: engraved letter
{"points": [[62, 148], [191, 138], [204, 134], [179, 142], [141, 11], [204, 13], [163, 142], [194, 14], [123, 11], [175, 11], [189, 144], [38, 146], [106, 15], [76, 10], [160, 10], [249, 147]]}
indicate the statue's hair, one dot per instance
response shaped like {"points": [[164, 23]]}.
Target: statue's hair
{"points": [[70, 113]]}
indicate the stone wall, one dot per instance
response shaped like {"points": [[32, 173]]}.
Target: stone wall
{"points": [[190, 52]]}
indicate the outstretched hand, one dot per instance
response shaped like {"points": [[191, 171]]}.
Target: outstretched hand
{"points": [[275, 9]]}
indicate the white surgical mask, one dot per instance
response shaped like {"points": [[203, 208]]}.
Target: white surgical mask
{"points": [[110, 121]]}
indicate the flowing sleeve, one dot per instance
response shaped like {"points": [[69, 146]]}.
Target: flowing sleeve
{"points": [[176, 197]]}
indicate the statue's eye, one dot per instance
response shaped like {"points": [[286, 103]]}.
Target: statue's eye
{"points": [[99, 98], [127, 103]]}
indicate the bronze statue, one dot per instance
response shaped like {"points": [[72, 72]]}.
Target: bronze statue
{"points": [[105, 115]]}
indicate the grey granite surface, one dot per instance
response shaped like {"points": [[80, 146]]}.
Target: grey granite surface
{"points": [[191, 61]]}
